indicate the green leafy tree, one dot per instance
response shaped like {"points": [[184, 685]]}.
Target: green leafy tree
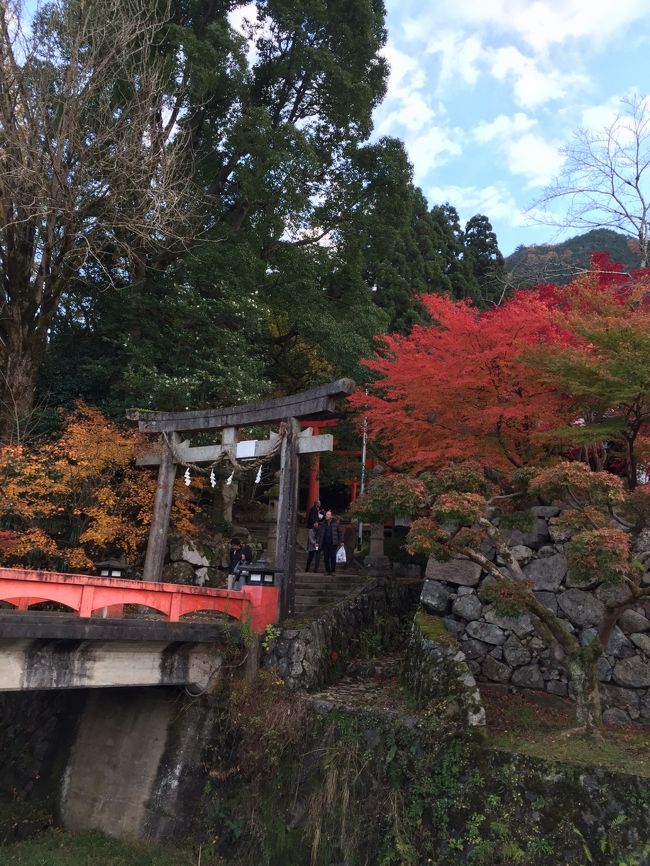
{"points": [[275, 121], [456, 278]]}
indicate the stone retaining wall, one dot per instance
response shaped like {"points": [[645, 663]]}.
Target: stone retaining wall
{"points": [[507, 650], [310, 656], [436, 670]]}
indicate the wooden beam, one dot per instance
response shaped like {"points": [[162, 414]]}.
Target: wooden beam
{"points": [[287, 519], [162, 507], [316, 401], [261, 448]]}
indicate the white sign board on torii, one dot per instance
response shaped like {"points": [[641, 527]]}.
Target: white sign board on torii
{"points": [[247, 449]]}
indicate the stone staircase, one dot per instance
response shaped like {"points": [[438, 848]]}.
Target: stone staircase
{"points": [[315, 589]]}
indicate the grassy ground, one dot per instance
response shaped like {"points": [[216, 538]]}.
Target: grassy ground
{"points": [[58, 848], [523, 724]]}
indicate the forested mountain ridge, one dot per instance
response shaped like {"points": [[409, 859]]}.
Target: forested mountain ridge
{"points": [[561, 262]]}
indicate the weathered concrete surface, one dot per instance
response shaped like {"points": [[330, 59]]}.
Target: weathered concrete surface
{"points": [[43, 624], [114, 761], [37, 730], [73, 664], [54, 651], [136, 767]]}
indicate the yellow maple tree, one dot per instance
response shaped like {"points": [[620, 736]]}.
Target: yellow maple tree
{"points": [[81, 497]]}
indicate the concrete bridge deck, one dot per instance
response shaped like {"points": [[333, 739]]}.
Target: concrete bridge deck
{"points": [[41, 650]]}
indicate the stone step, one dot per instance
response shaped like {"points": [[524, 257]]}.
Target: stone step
{"points": [[307, 607], [316, 598], [323, 590], [329, 579], [305, 603], [319, 577]]}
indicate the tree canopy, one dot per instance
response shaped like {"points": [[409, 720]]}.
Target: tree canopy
{"points": [[253, 240], [548, 372]]}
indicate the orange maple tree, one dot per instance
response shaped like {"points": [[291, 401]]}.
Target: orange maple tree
{"points": [[80, 497]]}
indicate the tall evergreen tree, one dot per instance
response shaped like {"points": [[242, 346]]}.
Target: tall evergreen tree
{"points": [[484, 258], [274, 120], [457, 278]]}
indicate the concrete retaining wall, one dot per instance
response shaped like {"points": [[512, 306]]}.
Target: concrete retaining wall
{"points": [[136, 769]]}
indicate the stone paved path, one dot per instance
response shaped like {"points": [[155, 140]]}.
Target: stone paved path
{"points": [[371, 685]]}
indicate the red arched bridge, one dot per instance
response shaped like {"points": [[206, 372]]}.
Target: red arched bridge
{"points": [[87, 595]]}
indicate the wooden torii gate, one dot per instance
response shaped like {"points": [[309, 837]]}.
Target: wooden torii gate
{"points": [[314, 404]]}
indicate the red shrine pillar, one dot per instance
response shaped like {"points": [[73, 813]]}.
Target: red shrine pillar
{"points": [[314, 464], [314, 483]]}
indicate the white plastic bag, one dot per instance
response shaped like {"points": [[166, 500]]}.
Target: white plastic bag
{"points": [[340, 556]]}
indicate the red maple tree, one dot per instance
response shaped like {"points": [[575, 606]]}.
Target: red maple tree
{"points": [[553, 369], [458, 388]]}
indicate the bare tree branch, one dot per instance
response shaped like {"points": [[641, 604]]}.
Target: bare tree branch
{"points": [[605, 180], [91, 161]]}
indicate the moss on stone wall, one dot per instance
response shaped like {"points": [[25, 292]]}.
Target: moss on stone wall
{"points": [[433, 629], [286, 785], [360, 789]]}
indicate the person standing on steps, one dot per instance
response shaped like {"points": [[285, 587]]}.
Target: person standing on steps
{"points": [[238, 556], [330, 538], [315, 514], [313, 548]]}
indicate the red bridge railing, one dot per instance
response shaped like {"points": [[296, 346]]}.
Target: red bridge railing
{"points": [[86, 594]]}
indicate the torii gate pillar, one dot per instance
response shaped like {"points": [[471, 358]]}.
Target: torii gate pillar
{"points": [[157, 543], [287, 519]]}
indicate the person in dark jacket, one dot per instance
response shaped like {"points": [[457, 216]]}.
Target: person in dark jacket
{"points": [[238, 556], [330, 538], [313, 549], [315, 514]]}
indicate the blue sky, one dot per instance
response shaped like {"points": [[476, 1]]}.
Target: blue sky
{"points": [[486, 92]]}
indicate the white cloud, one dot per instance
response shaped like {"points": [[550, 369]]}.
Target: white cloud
{"points": [[549, 22], [597, 118], [527, 44], [504, 127], [405, 105], [527, 154], [534, 83], [534, 158], [540, 24], [241, 16], [433, 148], [495, 201], [461, 56]]}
